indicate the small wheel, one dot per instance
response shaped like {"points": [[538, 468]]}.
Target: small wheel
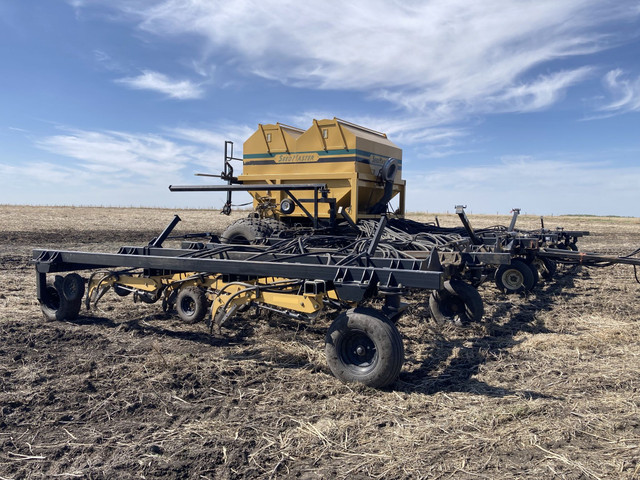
{"points": [[364, 346], [514, 278], [287, 206], [458, 303], [191, 304], [55, 305]]}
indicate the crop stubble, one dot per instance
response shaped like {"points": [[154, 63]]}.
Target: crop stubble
{"points": [[546, 387]]}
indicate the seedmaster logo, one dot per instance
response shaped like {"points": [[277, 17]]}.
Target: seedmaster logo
{"points": [[297, 158]]}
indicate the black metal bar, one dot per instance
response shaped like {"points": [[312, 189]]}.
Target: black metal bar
{"points": [[585, 258], [249, 253], [377, 235], [467, 225], [512, 225], [315, 208], [299, 204], [245, 187], [61, 261], [159, 240], [349, 220], [41, 285]]}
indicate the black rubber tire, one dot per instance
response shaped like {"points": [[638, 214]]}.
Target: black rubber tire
{"points": [[246, 231], [364, 346], [545, 267], [56, 306], [514, 278], [550, 268], [534, 272], [73, 287], [287, 206], [275, 226], [192, 304], [458, 303]]}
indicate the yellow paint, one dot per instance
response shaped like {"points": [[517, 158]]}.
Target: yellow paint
{"points": [[345, 157], [221, 294]]}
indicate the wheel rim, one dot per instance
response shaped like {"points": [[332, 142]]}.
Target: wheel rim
{"points": [[188, 306], [359, 351], [512, 279]]}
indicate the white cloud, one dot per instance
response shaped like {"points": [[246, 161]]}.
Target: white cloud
{"points": [[539, 94], [119, 156], [213, 138], [43, 172], [420, 55], [150, 80], [626, 92], [538, 186], [122, 168]]}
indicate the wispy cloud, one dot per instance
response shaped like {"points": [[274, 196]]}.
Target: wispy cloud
{"points": [[159, 82], [44, 172], [538, 94], [624, 90], [106, 62], [144, 157], [210, 137], [120, 155], [420, 55], [121, 168]]}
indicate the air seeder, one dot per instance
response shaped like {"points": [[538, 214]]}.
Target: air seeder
{"points": [[321, 237], [333, 172]]}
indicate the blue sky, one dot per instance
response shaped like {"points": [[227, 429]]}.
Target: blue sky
{"points": [[496, 104]]}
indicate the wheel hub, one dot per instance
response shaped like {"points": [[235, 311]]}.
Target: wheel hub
{"points": [[188, 306], [513, 279], [359, 350]]}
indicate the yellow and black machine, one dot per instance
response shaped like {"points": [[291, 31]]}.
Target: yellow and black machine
{"points": [[331, 178], [335, 171], [361, 169], [321, 237]]}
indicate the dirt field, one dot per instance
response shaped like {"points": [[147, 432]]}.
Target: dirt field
{"points": [[546, 387]]}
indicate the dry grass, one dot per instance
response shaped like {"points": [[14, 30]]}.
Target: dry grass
{"points": [[546, 387]]}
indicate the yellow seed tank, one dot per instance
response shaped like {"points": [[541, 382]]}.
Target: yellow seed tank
{"points": [[346, 157]]}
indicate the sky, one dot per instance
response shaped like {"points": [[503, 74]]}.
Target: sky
{"points": [[500, 104]]}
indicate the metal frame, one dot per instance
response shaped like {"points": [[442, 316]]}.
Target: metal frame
{"points": [[320, 195], [351, 281]]}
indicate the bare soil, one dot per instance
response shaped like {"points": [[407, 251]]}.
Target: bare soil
{"points": [[546, 387]]}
